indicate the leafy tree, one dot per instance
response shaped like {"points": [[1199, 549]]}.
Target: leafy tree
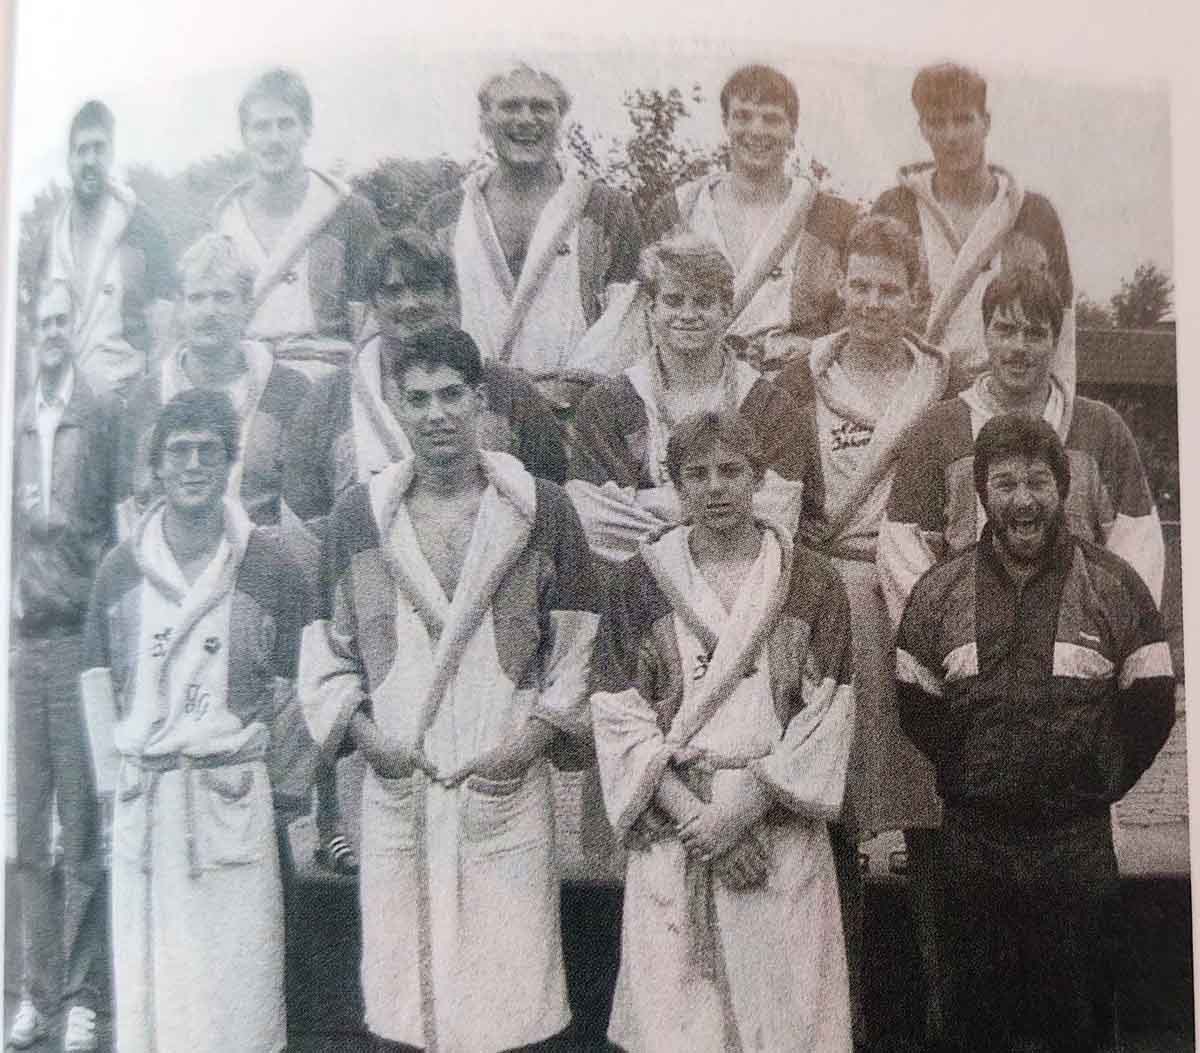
{"points": [[1145, 300], [399, 188], [1091, 315], [653, 160]]}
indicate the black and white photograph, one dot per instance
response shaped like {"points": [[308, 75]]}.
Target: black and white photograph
{"points": [[579, 538]]}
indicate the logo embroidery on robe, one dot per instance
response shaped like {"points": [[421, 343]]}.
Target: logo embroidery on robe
{"points": [[211, 644], [850, 435], [158, 649], [196, 701], [702, 663]]}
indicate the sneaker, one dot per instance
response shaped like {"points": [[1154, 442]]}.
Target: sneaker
{"points": [[337, 855], [80, 1033], [28, 1027]]}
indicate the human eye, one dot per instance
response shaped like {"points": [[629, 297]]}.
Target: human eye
{"points": [[453, 394], [417, 399], [674, 300], [224, 297], [195, 298]]}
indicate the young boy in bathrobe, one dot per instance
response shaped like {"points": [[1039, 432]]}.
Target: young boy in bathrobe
{"points": [[723, 710]]}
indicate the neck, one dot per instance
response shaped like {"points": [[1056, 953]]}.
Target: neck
{"points": [[214, 367], [742, 542], [452, 478], [282, 194], [88, 209], [692, 370], [876, 358], [755, 187], [528, 180], [1031, 405], [973, 187], [193, 533]]}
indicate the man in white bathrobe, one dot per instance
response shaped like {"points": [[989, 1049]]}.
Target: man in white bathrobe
{"points": [[723, 711], [191, 639], [536, 245], [451, 645]]}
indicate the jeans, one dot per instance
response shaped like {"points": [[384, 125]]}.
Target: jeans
{"points": [[52, 761]]}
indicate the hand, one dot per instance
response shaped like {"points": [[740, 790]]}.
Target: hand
{"points": [[391, 760], [744, 866], [648, 828], [712, 831]]}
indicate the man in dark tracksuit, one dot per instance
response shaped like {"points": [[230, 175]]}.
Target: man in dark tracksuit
{"points": [[1033, 671]]}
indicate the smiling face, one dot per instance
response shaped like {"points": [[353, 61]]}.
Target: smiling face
{"points": [[1023, 506], [439, 412], [194, 470], [760, 135], [522, 120], [275, 138], [89, 162], [54, 322], [1019, 353], [687, 319], [404, 308], [957, 136], [716, 490], [878, 300]]}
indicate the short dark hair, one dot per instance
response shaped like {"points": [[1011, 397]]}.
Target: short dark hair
{"points": [[422, 261], [1034, 291], [442, 345], [1020, 435], [762, 84], [197, 409], [283, 85], [92, 114], [886, 237], [948, 84], [702, 432]]}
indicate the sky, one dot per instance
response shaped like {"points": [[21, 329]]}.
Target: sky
{"points": [[1097, 144]]}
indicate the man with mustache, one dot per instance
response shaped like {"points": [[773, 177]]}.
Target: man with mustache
{"points": [[450, 646], [535, 245], [348, 429], [109, 248], [305, 233], [62, 525], [932, 510], [973, 219], [217, 289], [782, 236], [1033, 672]]}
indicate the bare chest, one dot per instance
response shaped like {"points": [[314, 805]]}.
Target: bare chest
{"points": [[267, 227], [726, 579], [742, 224], [514, 219], [963, 217], [444, 529]]}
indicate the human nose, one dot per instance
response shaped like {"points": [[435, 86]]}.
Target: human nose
{"points": [[435, 410]]}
